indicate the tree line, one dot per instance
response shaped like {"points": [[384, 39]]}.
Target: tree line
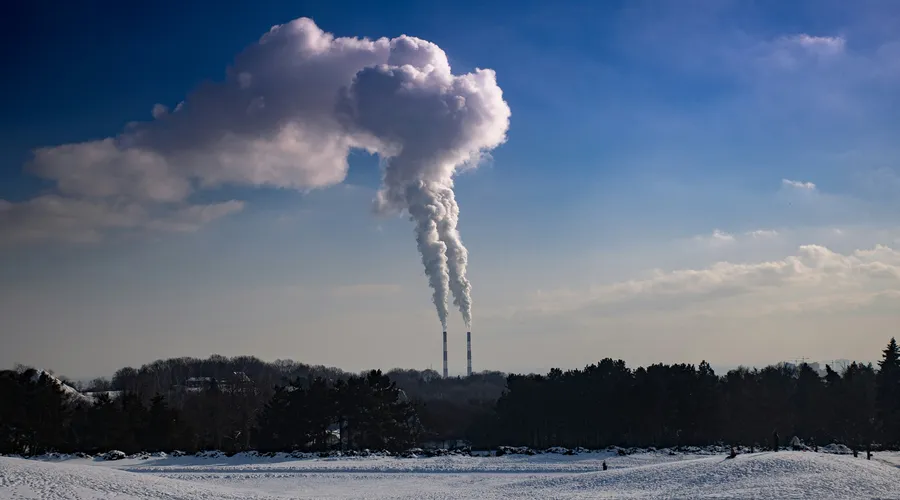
{"points": [[242, 403], [671, 405]]}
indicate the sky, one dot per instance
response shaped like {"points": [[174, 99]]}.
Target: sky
{"points": [[678, 181]]}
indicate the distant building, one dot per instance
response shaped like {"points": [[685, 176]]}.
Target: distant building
{"points": [[96, 394], [199, 383], [234, 381]]}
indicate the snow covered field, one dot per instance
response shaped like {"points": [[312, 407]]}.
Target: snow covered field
{"points": [[644, 475]]}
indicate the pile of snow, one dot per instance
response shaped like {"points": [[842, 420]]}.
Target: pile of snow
{"points": [[429, 453], [836, 448], [114, 455]]}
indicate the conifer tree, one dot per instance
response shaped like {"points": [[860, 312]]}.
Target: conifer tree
{"points": [[888, 393], [161, 425]]}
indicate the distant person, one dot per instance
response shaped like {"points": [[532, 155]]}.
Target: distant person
{"points": [[604, 465]]}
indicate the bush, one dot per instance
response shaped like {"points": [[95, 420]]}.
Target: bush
{"points": [[114, 455]]}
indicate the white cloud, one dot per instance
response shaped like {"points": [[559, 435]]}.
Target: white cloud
{"points": [[291, 108], [808, 186], [294, 157], [103, 169], [822, 45], [815, 278], [67, 219], [800, 52], [716, 239], [762, 234], [76, 220], [813, 83]]}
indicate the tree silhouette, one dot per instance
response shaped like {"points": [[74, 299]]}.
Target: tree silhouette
{"points": [[888, 393]]}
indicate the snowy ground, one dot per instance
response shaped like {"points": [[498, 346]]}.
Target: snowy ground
{"points": [[645, 475]]}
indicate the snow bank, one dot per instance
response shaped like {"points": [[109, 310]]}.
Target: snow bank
{"points": [[760, 475], [836, 448]]}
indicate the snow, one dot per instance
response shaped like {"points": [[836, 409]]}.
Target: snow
{"points": [[656, 474], [94, 395], [69, 391], [840, 449]]}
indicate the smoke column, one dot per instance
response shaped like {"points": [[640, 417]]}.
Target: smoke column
{"points": [[457, 256], [289, 111], [427, 213], [429, 123]]}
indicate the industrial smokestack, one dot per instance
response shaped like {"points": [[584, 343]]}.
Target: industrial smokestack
{"points": [[445, 354], [468, 354]]}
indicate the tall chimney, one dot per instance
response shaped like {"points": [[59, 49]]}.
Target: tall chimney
{"points": [[445, 354], [469, 354]]}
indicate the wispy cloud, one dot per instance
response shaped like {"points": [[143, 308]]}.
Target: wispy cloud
{"points": [[808, 186], [73, 220], [191, 218], [814, 278], [719, 238], [716, 239], [762, 234], [822, 45]]}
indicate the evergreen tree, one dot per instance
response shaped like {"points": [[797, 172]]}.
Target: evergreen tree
{"points": [[131, 423], [319, 412], [888, 393], [392, 422], [831, 406], [14, 425], [859, 404], [283, 423], [35, 413], [273, 433], [106, 419], [162, 423], [809, 405]]}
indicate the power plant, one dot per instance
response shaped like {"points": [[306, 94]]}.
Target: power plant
{"points": [[468, 354], [445, 354]]}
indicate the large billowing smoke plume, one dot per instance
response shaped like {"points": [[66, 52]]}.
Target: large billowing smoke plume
{"points": [[291, 108], [432, 123]]}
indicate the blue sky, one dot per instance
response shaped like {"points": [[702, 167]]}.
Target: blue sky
{"points": [[664, 160]]}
